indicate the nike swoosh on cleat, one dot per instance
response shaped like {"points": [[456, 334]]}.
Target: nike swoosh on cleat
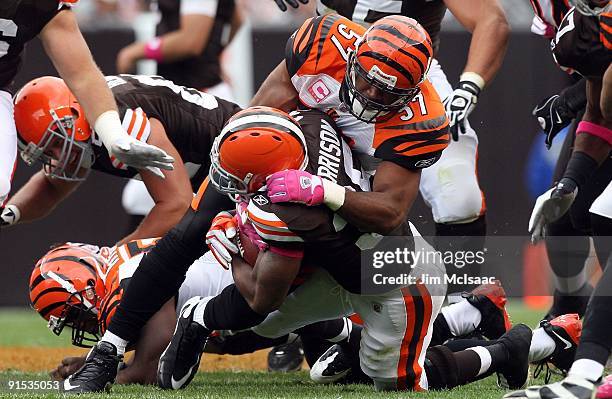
{"points": [[179, 384], [68, 386], [565, 341]]}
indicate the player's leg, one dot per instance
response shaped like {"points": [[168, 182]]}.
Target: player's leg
{"points": [[8, 145], [482, 310], [396, 333], [157, 279], [592, 353], [450, 187]]}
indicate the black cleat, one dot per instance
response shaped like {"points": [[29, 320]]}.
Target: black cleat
{"points": [[332, 366], [490, 300], [97, 374], [570, 303], [569, 388], [287, 357], [513, 374], [179, 362]]}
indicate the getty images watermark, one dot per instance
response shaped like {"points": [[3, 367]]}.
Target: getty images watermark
{"points": [[425, 258]]}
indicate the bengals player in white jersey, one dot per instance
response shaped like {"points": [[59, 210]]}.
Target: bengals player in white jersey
{"points": [[54, 23], [450, 186], [78, 287]]}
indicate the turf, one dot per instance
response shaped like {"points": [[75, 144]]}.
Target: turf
{"points": [[24, 328]]}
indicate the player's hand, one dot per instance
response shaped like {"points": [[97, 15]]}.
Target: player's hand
{"points": [[552, 116], [9, 215], [459, 105], [220, 238], [67, 367], [550, 206], [295, 186], [293, 3], [141, 155]]}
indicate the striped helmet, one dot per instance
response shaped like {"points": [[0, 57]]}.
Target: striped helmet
{"points": [[385, 70], [66, 290]]}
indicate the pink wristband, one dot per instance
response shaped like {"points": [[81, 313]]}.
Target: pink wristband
{"points": [[153, 49], [595, 130]]}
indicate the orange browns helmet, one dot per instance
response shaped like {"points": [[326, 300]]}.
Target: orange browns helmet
{"points": [[52, 129], [66, 290], [253, 144], [393, 56]]}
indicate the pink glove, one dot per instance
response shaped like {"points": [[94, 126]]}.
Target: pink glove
{"points": [[245, 227], [295, 186]]}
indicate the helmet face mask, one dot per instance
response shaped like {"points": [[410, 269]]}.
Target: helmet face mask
{"points": [[81, 316], [52, 129], [252, 145], [62, 156], [385, 70], [591, 8], [222, 180], [365, 108], [66, 290]]}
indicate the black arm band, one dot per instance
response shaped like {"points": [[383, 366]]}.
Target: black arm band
{"points": [[580, 168]]}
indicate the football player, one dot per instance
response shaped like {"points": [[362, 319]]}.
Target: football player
{"points": [[54, 23], [566, 239], [450, 185], [79, 286], [53, 130], [190, 39], [182, 245], [583, 44], [398, 320]]}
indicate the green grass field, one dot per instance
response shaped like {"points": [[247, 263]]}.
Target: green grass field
{"points": [[23, 328]]}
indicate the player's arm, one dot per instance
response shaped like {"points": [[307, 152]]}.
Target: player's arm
{"points": [[592, 147], [70, 55], [172, 195], [387, 206], [189, 40], [606, 95], [277, 90], [265, 285], [381, 211], [38, 197], [152, 341], [486, 20]]}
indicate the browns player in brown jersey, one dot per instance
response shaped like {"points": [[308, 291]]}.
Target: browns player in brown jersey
{"points": [[54, 23], [54, 131]]}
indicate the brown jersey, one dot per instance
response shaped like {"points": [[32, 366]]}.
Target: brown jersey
{"points": [[20, 22], [191, 119], [583, 43], [327, 240], [429, 13], [316, 56], [203, 70]]}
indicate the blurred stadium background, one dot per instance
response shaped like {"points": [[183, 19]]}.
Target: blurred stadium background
{"points": [[512, 168]]}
